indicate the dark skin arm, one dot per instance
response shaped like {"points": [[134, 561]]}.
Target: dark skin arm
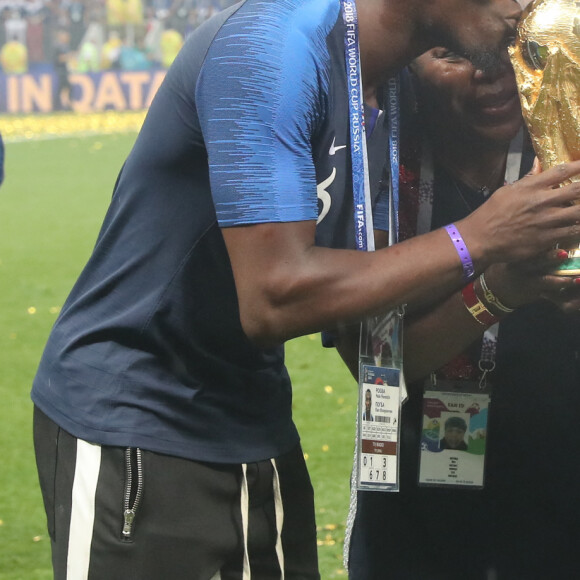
{"points": [[288, 287], [452, 329], [434, 336]]}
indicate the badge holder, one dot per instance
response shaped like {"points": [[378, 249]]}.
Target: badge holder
{"points": [[381, 386], [454, 430]]}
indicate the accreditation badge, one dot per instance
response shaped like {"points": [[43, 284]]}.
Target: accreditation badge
{"points": [[379, 426], [380, 386], [454, 434]]}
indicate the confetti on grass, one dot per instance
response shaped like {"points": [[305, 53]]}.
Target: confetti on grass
{"points": [[36, 127]]}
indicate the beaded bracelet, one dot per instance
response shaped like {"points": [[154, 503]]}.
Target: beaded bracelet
{"points": [[492, 298], [461, 248], [476, 307]]}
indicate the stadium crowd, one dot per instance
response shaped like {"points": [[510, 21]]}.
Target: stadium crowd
{"points": [[95, 35]]}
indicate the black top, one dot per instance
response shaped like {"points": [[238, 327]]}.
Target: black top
{"points": [[523, 524]]}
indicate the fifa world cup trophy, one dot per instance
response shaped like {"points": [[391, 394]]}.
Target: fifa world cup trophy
{"points": [[546, 60]]}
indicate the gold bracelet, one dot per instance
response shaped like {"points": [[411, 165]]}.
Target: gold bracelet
{"points": [[491, 297], [476, 307]]}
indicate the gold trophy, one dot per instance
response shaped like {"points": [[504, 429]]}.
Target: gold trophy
{"points": [[546, 60]]}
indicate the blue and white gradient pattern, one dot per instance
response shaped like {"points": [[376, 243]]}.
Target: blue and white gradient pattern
{"points": [[261, 96]]}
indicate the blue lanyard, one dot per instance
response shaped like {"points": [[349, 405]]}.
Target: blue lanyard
{"points": [[363, 219], [394, 144]]}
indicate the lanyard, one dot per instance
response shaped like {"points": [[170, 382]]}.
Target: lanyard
{"points": [[363, 219], [394, 142]]}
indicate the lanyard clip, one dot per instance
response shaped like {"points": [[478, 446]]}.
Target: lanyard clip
{"points": [[485, 366]]}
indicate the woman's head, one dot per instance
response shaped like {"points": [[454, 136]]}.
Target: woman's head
{"points": [[469, 102]]}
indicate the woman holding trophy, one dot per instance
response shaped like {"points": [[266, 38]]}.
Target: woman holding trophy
{"points": [[505, 506]]}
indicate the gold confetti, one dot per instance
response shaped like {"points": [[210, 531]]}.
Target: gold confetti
{"points": [[313, 336], [328, 541], [37, 538], [341, 400], [325, 448], [330, 527], [1, 522], [328, 389], [36, 127], [306, 457], [32, 310], [54, 309]]}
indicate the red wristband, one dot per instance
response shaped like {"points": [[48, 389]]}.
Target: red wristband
{"points": [[476, 307]]}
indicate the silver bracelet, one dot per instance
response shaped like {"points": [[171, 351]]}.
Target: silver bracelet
{"points": [[491, 297]]}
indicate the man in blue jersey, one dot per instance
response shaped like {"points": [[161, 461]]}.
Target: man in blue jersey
{"points": [[163, 428]]}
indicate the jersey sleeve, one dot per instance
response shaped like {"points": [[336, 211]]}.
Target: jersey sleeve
{"points": [[261, 95]]}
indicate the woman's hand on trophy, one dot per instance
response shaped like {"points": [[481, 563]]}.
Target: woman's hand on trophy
{"points": [[519, 283], [527, 218]]}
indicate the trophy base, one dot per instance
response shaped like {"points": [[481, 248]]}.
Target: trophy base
{"points": [[570, 266]]}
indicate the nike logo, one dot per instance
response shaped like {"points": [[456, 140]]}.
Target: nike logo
{"points": [[324, 196], [334, 149]]}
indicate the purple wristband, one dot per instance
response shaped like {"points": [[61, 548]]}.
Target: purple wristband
{"points": [[466, 261]]}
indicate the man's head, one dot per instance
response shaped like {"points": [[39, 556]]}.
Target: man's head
{"points": [[368, 400], [472, 104], [455, 428], [475, 29]]}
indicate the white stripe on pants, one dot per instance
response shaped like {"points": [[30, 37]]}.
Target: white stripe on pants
{"points": [[88, 463]]}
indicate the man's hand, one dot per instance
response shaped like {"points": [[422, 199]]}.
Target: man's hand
{"points": [[527, 218]]}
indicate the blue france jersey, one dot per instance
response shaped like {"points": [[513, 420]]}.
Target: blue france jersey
{"points": [[249, 126]]}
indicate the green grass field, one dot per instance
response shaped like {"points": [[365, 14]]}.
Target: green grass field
{"points": [[51, 206]]}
